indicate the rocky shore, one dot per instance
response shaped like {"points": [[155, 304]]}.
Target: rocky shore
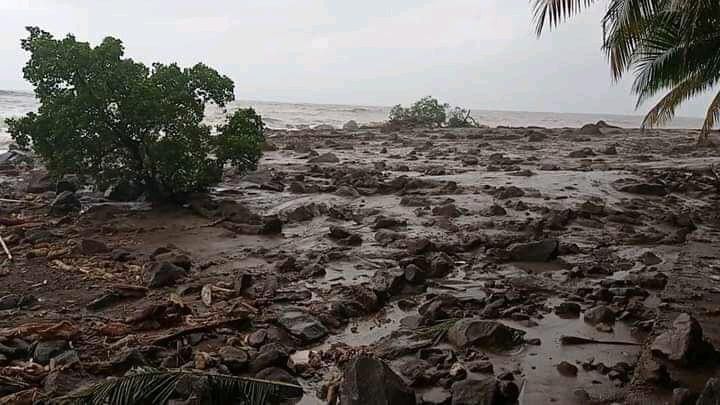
{"points": [[383, 266]]}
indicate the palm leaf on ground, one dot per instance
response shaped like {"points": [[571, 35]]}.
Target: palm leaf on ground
{"points": [[147, 385]]}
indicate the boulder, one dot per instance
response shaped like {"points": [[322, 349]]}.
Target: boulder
{"points": [[351, 126], [684, 343], [537, 251], [276, 374], [328, 157], [270, 355], [368, 381], [590, 129], [387, 281], [302, 325], [236, 360], [162, 274], [488, 335], [599, 314], [476, 392], [568, 310], [642, 188], [65, 203]]}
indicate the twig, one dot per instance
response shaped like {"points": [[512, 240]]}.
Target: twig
{"points": [[5, 248]]}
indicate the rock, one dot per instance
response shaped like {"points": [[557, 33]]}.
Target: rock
{"points": [[684, 343], [536, 136], [494, 211], [538, 251], [599, 314], [69, 182], [582, 153], [302, 325], [39, 182], [568, 310], [123, 191], [257, 338], [475, 392], [509, 391], [649, 259], [328, 157], [347, 191], [46, 350], [489, 335], [344, 237], [386, 236], [163, 274], [447, 210], [65, 203], [351, 126], [509, 192], [368, 381], [387, 281], [416, 246], [270, 355], [175, 257], [236, 360], [470, 161], [12, 301], [683, 396], [590, 129], [323, 127], [711, 393], [652, 189], [93, 247], [566, 369], [276, 374], [480, 366], [609, 150]]}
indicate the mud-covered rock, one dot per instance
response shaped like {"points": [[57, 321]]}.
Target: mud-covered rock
{"points": [[368, 381], [476, 392], [158, 275], [302, 325], [65, 203], [488, 335], [568, 309], [328, 157], [45, 350], [93, 247], [684, 343], [270, 355], [235, 359], [599, 314], [537, 251]]}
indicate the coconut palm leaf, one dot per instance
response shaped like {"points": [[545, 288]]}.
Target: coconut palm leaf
{"points": [[147, 385], [553, 12]]}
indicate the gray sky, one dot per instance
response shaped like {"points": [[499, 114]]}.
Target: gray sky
{"points": [[476, 53]]}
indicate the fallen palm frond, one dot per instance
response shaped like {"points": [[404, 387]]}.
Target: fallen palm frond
{"points": [[147, 385], [436, 331]]}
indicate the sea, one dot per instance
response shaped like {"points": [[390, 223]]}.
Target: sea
{"points": [[280, 115]]}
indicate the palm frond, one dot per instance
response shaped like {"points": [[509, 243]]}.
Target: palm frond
{"points": [[664, 110], [553, 12], [147, 385], [713, 115]]}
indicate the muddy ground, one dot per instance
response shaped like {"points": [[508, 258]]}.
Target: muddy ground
{"points": [[503, 265]]}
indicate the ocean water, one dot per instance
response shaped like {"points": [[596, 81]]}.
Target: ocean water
{"points": [[303, 115]]}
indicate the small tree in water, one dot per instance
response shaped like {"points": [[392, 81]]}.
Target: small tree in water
{"points": [[428, 112], [113, 119]]}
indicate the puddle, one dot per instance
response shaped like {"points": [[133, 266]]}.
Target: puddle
{"points": [[543, 383]]}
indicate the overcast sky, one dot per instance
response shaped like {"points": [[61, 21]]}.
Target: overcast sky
{"points": [[476, 53]]}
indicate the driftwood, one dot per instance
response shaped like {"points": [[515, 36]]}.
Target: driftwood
{"points": [[5, 248], [162, 340], [577, 340]]}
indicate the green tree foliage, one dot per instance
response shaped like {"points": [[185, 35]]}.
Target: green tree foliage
{"points": [[428, 112], [672, 46], [113, 119]]}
